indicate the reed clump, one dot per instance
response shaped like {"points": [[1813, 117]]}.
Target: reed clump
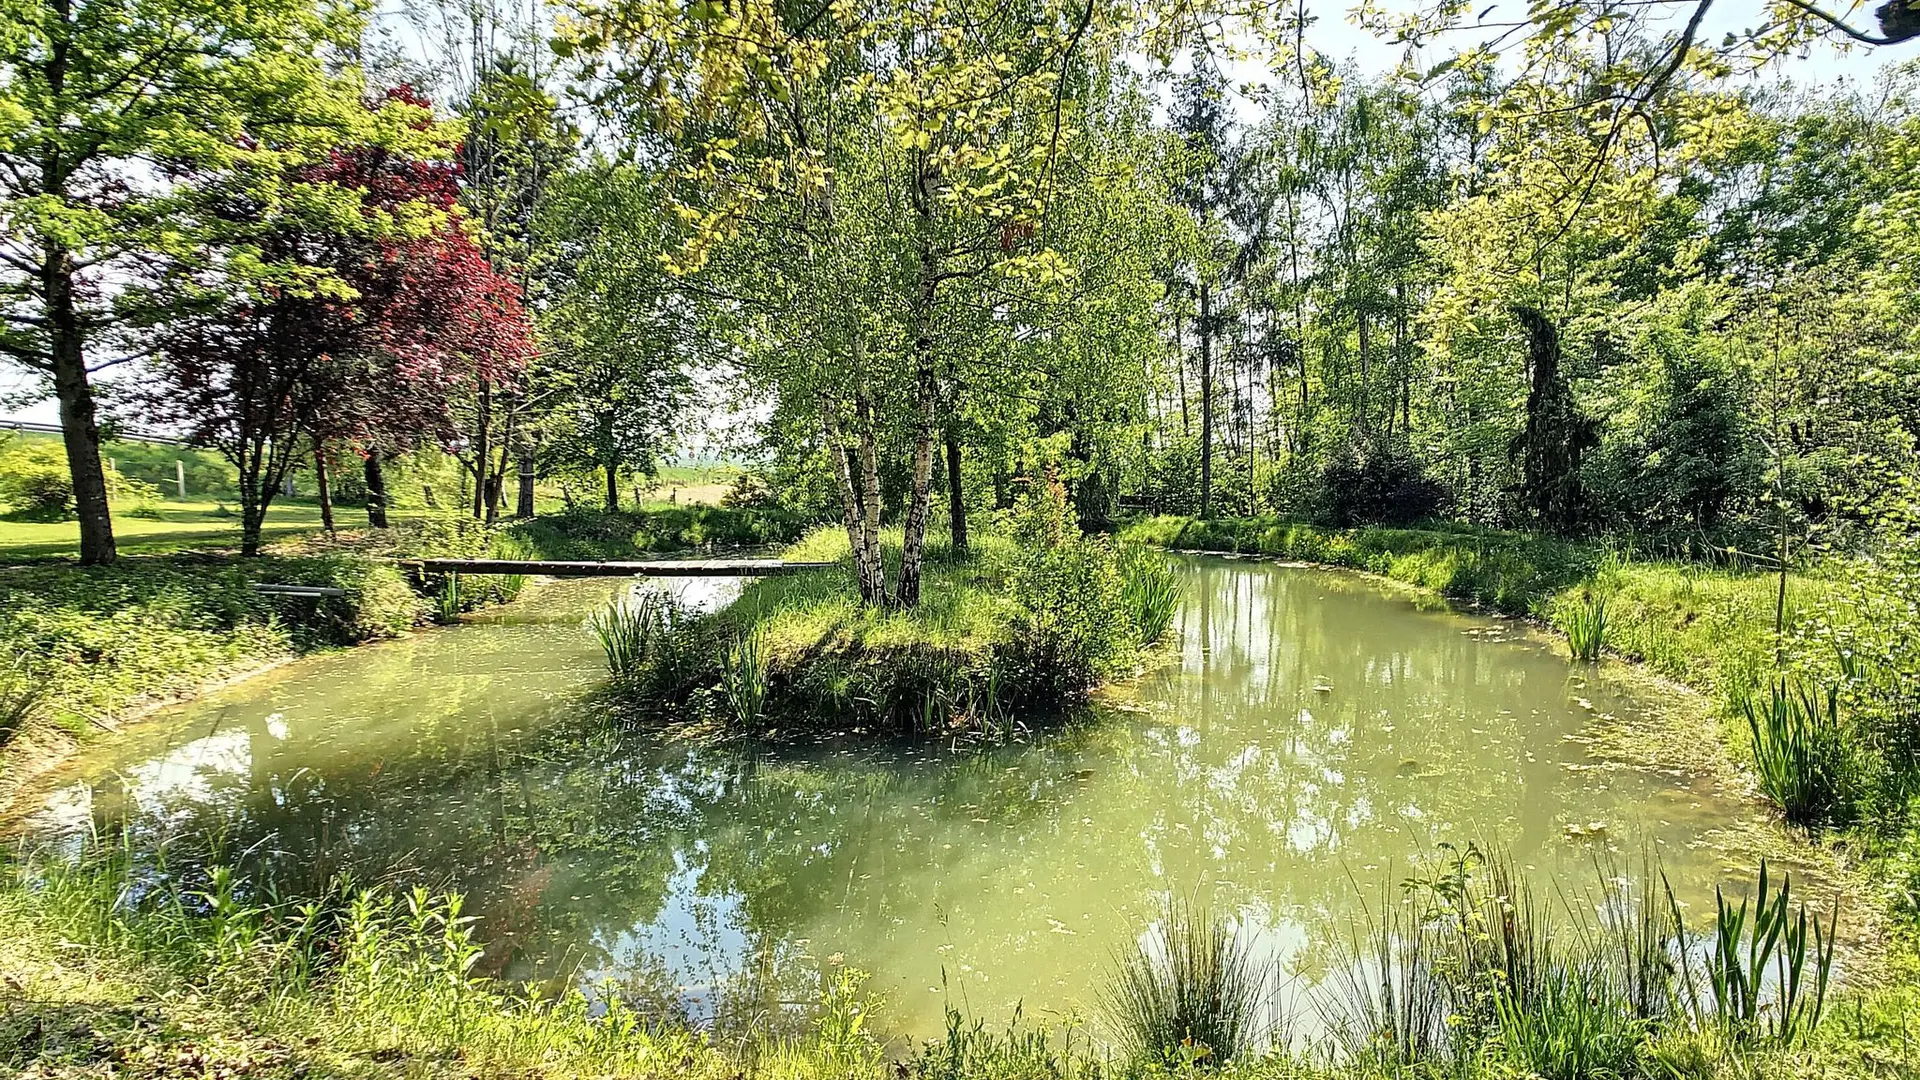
{"points": [[1804, 757], [1584, 621], [1192, 991]]}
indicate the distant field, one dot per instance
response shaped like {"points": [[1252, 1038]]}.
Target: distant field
{"points": [[179, 525], [692, 485]]}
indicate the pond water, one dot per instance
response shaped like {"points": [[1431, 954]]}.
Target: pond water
{"points": [[1315, 736]]}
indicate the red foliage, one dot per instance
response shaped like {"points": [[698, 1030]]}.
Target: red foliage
{"points": [[431, 318]]}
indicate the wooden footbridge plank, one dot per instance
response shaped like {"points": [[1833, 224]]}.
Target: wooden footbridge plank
{"points": [[588, 568]]}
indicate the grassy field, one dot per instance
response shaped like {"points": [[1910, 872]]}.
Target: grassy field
{"points": [[171, 526]]}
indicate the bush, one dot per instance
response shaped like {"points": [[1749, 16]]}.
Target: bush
{"points": [[36, 483], [1378, 486], [594, 534], [1074, 626]]}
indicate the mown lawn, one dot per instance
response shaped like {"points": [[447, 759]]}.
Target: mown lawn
{"points": [[172, 526]]}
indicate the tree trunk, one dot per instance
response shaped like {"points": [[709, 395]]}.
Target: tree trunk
{"points": [[482, 451], [376, 490], [1180, 372], [956, 492], [320, 482], [523, 506], [868, 459], [613, 488], [913, 540], [868, 574], [1206, 400], [1366, 358], [79, 426]]}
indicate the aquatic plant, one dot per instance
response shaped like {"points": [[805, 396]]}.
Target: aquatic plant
{"points": [[1387, 1006], [1574, 1024], [1803, 755], [1585, 623], [626, 630], [1755, 983], [1150, 591], [507, 545], [1191, 991], [446, 602], [743, 680]]}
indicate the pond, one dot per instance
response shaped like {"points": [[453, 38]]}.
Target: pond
{"points": [[1312, 738]]}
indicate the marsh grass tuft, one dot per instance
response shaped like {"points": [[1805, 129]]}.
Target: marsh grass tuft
{"points": [[632, 631], [1803, 755], [446, 602], [1150, 590], [1585, 623], [1191, 991], [22, 692], [744, 678]]}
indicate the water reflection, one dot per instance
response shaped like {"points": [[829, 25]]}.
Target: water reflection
{"points": [[1314, 735]]}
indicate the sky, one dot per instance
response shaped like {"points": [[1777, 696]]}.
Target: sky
{"points": [[1336, 35]]}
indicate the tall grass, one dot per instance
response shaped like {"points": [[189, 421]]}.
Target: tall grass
{"points": [[22, 692], [1191, 990], [744, 678], [1150, 590], [1803, 756], [1585, 623], [632, 631], [447, 601]]}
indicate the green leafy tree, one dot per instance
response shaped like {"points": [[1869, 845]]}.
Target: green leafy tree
{"points": [[100, 102]]}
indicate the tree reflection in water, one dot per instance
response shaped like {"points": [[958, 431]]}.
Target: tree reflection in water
{"points": [[1314, 735]]}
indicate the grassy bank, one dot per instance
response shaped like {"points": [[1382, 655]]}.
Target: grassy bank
{"points": [[1025, 623], [112, 971], [630, 534]]}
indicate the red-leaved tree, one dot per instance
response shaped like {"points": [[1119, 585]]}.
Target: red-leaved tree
{"points": [[380, 311]]}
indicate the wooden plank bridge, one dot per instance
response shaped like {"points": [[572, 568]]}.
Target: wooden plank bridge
{"points": [[590, 568]]}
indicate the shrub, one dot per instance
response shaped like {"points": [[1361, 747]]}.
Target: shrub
{"points": [[1378, 486], [1074, 624], [35, 482], [37, 485]]}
